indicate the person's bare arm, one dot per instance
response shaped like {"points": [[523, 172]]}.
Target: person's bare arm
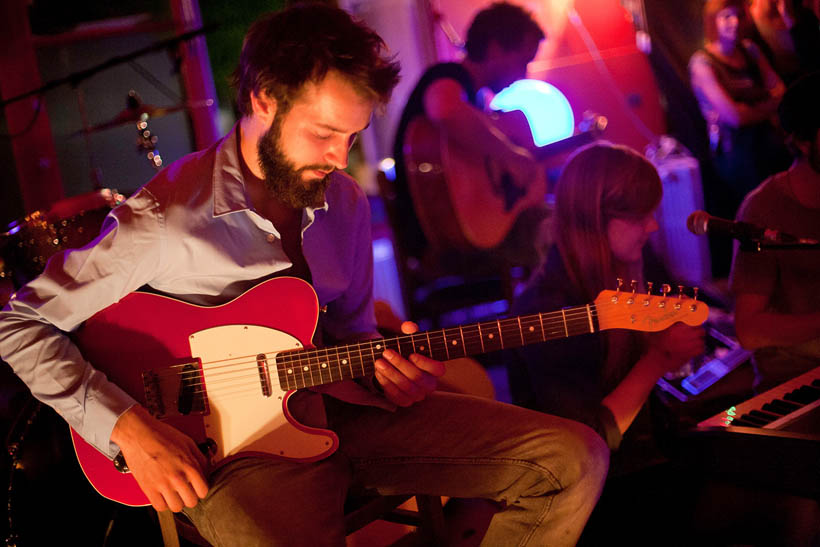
{"points": [[730, 112], [447, 107], [757, 326], [668, 350]]}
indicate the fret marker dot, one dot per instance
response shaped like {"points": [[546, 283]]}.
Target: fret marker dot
{"points": [[290, 371], [344, 361], [532, 329], [306, 369], [421, 348], [378, 346], [454, 343], [324, 365], [491, 336]]}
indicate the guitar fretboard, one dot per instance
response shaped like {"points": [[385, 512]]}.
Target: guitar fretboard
{"points": [[313, 367]]}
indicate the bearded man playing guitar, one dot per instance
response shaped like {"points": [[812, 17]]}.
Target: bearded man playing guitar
{"points": [[454, 211], [220, 245]]}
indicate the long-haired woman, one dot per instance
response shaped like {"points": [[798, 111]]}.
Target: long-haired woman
{"points": [[605, 201]]}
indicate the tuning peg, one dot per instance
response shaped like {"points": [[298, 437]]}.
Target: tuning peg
{"points": [[694, 306], [620, 283], [665, 289], [680, 297], [634, 285], [649, 285]]}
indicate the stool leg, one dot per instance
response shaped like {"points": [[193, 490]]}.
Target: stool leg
{"points": [[170, 538], [432, 519]]}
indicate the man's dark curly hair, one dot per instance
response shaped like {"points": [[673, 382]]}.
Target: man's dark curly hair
{"points": [[506, 24], [284, 50]]}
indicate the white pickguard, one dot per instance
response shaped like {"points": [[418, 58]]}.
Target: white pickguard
{"points": [[242, 418]]}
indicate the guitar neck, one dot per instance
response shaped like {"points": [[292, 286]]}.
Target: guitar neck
{"points": [[307, 368]]}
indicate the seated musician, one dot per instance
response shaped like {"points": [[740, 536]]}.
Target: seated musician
{"points": [[605, 202], [501, 40], [270, 199], [777, 292]]}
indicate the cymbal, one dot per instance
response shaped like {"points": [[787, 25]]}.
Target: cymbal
{"points": [[136, 109]]}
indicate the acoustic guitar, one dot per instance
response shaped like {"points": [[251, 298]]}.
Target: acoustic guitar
{"points": [[223, 374], [465, 200]]}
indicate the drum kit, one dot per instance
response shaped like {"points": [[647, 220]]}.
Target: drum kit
{"points": [[29, 242]]}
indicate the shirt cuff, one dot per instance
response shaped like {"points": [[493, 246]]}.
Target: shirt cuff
{"points": [[104, 406]]}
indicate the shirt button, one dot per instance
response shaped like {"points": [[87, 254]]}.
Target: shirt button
{"points": [[271, 238]]}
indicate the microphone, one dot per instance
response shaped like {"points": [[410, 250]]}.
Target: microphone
{"points": [[701, 223]]}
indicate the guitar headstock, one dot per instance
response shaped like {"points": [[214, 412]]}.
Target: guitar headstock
{"points": [[649, 312]]}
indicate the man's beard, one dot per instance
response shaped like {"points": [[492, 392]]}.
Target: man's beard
{"points": [[282, 179]]}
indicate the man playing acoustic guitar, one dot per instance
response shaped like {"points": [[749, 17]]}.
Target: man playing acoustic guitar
{"points": [[501, 41], [269, 200]]}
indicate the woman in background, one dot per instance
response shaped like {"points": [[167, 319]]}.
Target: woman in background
{"points": [[605, 200], [738, 92]]}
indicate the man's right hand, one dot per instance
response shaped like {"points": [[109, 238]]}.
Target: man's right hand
{"points": [[165, 462]]}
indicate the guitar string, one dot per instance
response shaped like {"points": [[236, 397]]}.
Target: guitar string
{"points": [[366, 366], [299, 355], [293, 356], [304, 358]]}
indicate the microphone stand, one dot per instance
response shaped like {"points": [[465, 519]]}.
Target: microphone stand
{"points": [[759, 245], [81, 75]]}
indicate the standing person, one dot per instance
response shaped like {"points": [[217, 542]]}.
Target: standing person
{"points": [[605, 201], [269, 199], [788, 34], [738, 94], [776, 292], [501, 41]]}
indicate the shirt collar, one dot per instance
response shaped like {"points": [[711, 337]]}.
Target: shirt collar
{"points": [[228, 184]]}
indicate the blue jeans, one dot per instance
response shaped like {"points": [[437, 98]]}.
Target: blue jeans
{"points": [[547, 471]]}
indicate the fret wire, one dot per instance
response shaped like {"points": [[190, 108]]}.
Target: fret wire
{"points": [[463, 346], [349, 361], [500, 336], [480, 337], [520, 330]]}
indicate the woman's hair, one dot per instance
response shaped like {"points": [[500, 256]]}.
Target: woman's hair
{"points": [[599, 182], [710, 11], [284, 50]]}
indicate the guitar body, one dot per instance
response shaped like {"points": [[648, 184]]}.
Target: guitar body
{"points": [[462, 199], [145, 332]]}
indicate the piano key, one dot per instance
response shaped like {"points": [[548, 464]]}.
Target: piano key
{"points": [[800, 396], [787, 406], [774, 409], [768, 416], [752, 419], [744, 423]]}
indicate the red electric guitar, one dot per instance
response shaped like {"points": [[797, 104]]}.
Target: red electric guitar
{"points": [[225, 373]]}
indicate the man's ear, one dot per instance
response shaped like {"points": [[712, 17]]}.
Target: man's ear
{"points": [[263, 106]]}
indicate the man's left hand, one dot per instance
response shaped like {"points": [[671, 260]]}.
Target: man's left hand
{"points": [[407, 381]]}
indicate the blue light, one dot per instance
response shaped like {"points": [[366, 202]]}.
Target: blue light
{"points": [[547, 109]]}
